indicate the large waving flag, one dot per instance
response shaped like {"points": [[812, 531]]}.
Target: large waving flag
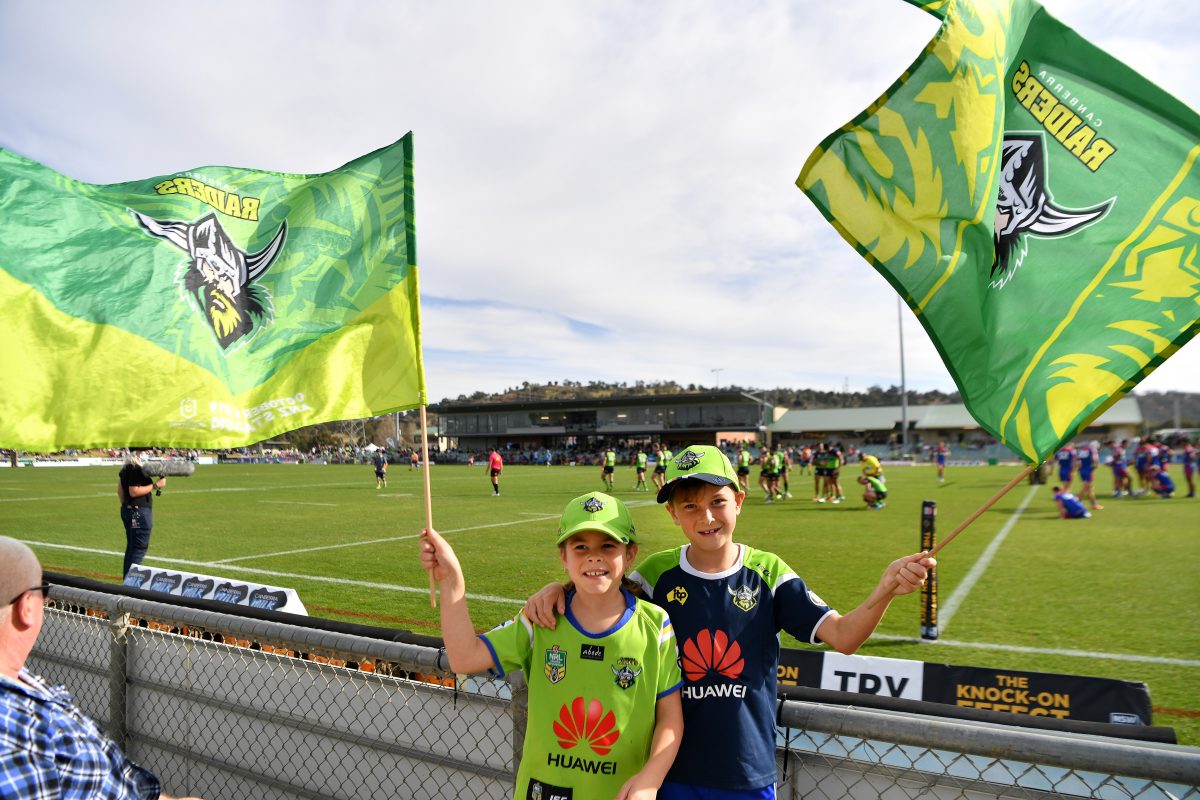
{"points": [[1037, 204], [214, 307]]}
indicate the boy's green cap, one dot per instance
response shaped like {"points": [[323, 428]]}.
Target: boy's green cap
{"points": [[704, 462], [597, 511]]}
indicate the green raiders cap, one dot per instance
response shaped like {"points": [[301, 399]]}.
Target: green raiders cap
{"points": [[597, 511], [703, 462]]}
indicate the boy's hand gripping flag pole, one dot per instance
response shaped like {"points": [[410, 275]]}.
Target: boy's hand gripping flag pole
{"points": [[1036, 203]]}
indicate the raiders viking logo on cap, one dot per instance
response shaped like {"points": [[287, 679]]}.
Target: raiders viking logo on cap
{"points": [[687, 460], [593, 505]]}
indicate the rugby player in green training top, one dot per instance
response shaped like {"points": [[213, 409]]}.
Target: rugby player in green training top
{"points": [[610, 466], [639, 463], [605, 717]]}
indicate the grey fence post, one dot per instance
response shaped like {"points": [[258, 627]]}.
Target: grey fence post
{"points": [[520, 716], [118, 674]]}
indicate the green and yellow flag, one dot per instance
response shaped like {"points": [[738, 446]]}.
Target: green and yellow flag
{"points": [[1037, 204], [214, 307]]}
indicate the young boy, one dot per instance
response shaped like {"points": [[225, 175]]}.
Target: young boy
{"points": [[604, 710], [729, 602]]}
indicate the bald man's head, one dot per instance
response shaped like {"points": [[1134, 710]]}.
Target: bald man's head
{"points": [[19, 569]]}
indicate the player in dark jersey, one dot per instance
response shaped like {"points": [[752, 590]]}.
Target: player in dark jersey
{"points": [[1089, 459], [1069, 506], [1120, 468], [1066, 466]]}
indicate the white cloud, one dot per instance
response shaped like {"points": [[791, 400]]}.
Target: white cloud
{"points": [[600, 185]]}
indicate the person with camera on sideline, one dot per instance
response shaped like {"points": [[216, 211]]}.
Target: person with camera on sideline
{"points": [[48, 747], [134, 489]]}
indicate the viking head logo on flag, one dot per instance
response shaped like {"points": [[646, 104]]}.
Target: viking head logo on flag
{"points": [[219, 276], [1024, 206]]}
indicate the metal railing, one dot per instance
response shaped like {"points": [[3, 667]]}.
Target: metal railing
{"points": [[224, 706]]}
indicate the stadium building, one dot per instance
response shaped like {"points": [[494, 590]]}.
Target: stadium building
{"points": [[727, 417], [927, 425], [675, 419]]}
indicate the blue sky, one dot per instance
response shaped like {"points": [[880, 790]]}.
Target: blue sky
{"points": [[600, 185]]}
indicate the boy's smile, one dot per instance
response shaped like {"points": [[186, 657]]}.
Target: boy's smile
{"points": [[708, 515]]}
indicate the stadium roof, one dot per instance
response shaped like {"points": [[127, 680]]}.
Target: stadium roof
{"points": [[942, 417]]}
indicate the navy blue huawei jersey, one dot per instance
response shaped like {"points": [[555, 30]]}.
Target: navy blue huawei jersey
{"points": [[727, 626]]}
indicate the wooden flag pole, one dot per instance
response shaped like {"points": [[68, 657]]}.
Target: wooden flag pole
{"points": [[974, 516], [1022, 475], [428, 497]]}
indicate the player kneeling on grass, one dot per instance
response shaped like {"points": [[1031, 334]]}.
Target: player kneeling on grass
{"points": [[1070, 506], [1160, 482], [728, 603], [605, 718], [872, 478]]}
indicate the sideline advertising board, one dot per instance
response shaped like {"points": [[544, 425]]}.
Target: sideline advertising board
{"points": [[208, 587], [1037, 694]]}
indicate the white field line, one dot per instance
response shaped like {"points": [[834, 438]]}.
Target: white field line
{"points": [[173, 490], [534, 518], [1053, 651], [275, 574], [517, 602], [216, 489], [381, 541], [296, 503], [959, 595]]}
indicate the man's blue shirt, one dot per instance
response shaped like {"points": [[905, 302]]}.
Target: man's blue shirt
{"points": [[50, 749]]}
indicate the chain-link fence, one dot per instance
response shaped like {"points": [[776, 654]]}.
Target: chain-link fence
{"points": [[223, 706]]}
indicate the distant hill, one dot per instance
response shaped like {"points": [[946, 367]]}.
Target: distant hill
{"points": [[1159, 408], [780, 396]]}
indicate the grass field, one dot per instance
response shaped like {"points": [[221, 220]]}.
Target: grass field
{"points": [[1115, 596]]}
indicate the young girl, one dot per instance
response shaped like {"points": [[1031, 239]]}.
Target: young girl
{"points": [[605, 718]]}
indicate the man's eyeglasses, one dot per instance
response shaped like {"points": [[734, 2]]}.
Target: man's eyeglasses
{"points": [[43, 587]]}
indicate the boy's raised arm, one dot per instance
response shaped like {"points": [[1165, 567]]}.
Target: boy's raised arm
{"points": [[904, 575], [544, 608], [466, 651]]}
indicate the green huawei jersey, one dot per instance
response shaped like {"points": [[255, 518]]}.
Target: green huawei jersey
{"points": [[641, 460], [591, 698], [610, 458], [743, 458]]}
